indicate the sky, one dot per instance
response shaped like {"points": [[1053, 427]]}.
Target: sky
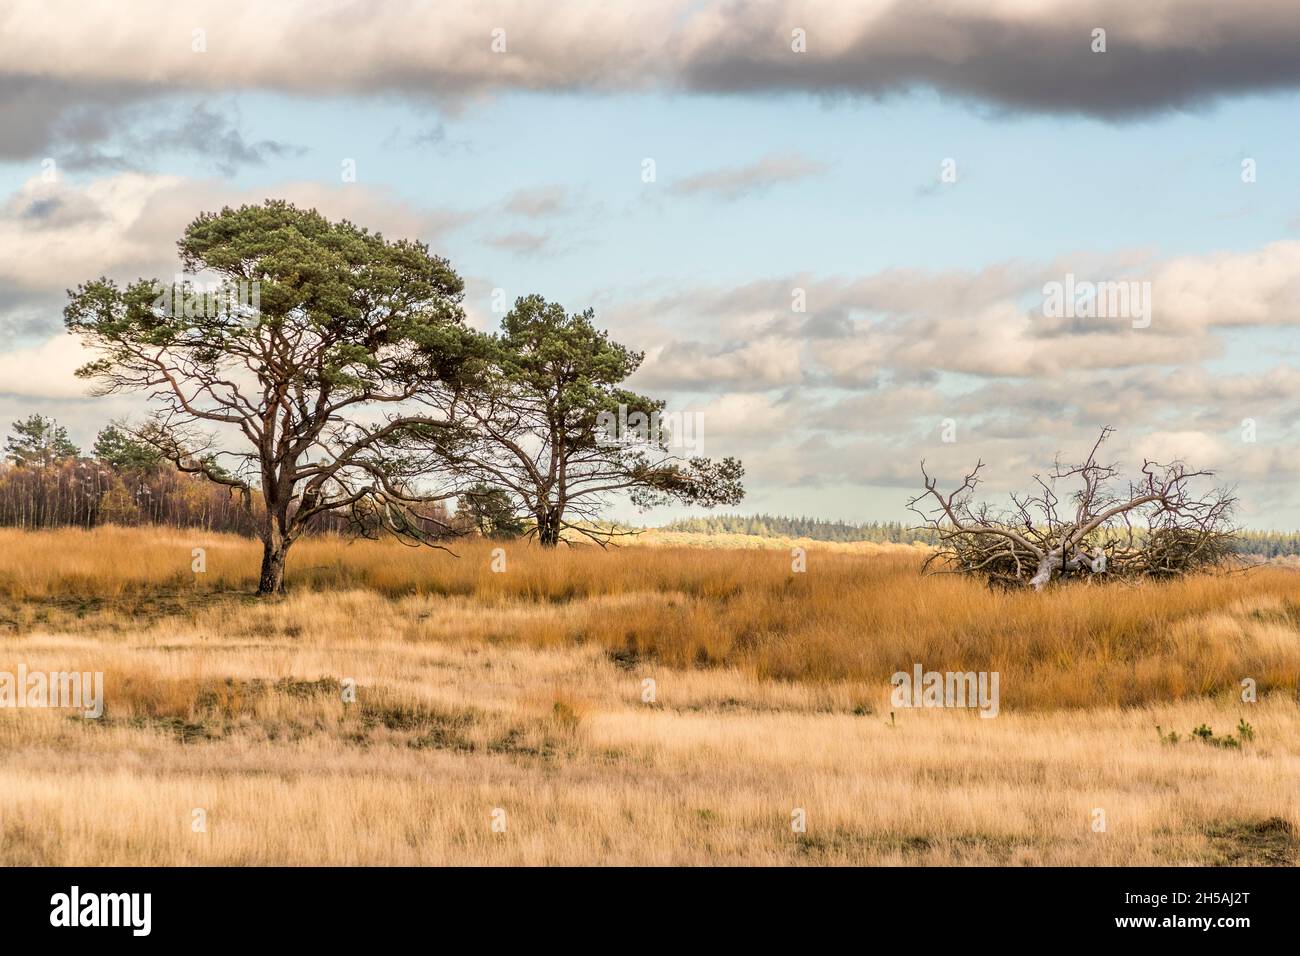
{"points": [[831, 228]]}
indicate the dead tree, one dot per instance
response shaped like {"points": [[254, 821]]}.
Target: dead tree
{"points": [[1081, 521]]}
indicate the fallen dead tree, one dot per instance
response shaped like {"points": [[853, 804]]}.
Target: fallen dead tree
{"points": [[1082, 521]]}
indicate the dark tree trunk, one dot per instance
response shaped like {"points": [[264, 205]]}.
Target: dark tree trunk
{"points": [[274, 550], [548, 528]]}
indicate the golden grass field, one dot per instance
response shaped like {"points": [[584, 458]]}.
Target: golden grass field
{"points": [[522, 692]]}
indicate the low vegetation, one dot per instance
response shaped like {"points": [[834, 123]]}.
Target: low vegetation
{"points": [[525, 691], [854, 615]]}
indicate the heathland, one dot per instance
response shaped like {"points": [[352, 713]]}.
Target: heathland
{"points": [[664, 703]]}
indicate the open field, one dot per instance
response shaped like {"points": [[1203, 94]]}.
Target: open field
{"points": [[522, 692]]}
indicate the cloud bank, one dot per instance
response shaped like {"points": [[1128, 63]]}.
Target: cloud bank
{"points": [[66, 66]]}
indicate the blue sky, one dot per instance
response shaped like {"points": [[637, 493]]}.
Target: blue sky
{"points": [[1028, 186], [921, 294]]}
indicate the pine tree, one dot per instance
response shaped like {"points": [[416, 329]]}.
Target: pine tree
{"points": [[39, 442]]}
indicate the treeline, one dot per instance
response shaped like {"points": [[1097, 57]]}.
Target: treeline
{"points": [[46, 482], [85, 492], [816, 529], [1266, 544]]}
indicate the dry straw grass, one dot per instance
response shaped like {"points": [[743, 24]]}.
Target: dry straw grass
{"points": [[523, 691], [853, 616]]}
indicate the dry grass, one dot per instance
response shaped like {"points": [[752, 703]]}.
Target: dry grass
{"points": [[523, 691], [852, 617]]}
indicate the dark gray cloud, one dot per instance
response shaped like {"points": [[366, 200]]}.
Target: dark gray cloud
{"points": [[51, 210], [199, 130], [65, 65], [118, 127], [39, 115], [27, 317], [1035, 56]]}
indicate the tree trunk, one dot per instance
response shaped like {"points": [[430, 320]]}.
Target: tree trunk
{"points": [[1048, 566], [274, 549], [548, 528]]}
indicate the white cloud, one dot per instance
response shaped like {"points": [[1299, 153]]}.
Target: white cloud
{"points": [[45, 370], [752, 366], [747, 414], [56, 235], [986, 322], [105, 232]]}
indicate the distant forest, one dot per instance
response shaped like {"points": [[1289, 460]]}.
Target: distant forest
{"points": [[1266, 544], [816, 529], [48, 482]]}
